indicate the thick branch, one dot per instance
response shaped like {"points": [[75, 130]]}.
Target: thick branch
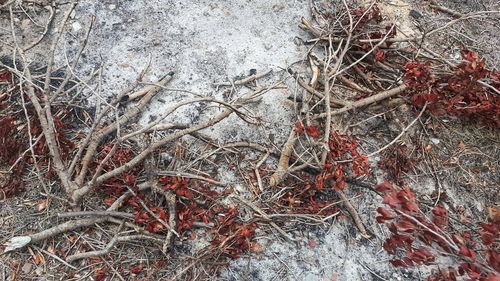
{"points": [[367, 101], [130, 113]]}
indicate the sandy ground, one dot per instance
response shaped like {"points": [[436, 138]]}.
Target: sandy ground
{"points": [[210, 41]]}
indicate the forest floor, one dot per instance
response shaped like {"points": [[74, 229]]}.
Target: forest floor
{"points": [[235, 216]]}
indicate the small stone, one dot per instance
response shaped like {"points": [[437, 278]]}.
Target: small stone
{"points": [[76, 26], [25, 22], [112, 6], [27, 267], [435, 141], [416, 14], [278, 8]]}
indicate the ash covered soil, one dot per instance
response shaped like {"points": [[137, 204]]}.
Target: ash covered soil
{"points": [[210, 42]]}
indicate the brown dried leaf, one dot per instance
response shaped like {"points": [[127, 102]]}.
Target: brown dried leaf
{"points": [[42, 205], [494, 214], [256, 248], [51, 249], [38, 259]]}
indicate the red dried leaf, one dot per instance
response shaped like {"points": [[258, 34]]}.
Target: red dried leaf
{"points": [[449, 274], [467, 252], [246, 232], [391, 199], [109, 200], [494, 214], [492, 277], [379, 55], [100, 274], [129, 179], [136, 268], [457, 93], [408, 200], [494, 259], [440, 216], [312, 244], [360, 165], [421, 256], [141, 217], [383, 187], [398, 263], [489, 233], [384, 215], [397, 241], [299, 128], [392, 228], [5, 76], [410, 206], [313, 131], [405, 225], [184, 193]]}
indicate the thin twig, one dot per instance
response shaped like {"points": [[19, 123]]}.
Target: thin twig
{"points": [[245, 80], [96, 214], [354, 214], [265, 216], [401, 134]]}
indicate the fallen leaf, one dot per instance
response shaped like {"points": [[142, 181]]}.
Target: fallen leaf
{"points": [[100, 274], [42, 205], [109, 201], [494, 214], [313, 131], [256, 248], [51, 249], [136, 268], [312, 244], [38, 259]]}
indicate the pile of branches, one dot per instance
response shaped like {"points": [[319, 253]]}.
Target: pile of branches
{"points": [[106, 151], [357, 60]]}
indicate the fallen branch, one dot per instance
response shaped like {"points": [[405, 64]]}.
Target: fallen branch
{"points": [[354, 214], [116, 239], [244, 81], [96, 214], [19, 242], [367, 101], [313, 91], [278, 176]]}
